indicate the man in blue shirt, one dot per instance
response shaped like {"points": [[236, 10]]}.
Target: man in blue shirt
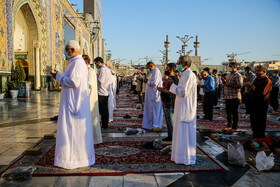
{"points": [[209, 88], [275, 91]]}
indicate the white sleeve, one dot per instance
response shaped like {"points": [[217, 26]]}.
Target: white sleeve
{"points": [[154, 80], [72, 80], [184, 86]]}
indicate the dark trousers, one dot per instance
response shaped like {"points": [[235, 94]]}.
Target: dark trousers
{"points": [[246, 101], [143, 100], [219, 91], [274, 98], [232, 112], [215, 97], [103, 110], [208, 105], [168, 114], [258, 117]]}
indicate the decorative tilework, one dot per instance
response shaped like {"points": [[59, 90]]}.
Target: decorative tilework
{"points": [[3, 37], [40, 18]]}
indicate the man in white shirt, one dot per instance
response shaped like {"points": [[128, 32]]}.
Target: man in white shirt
{"points": [[74, 142], [103, 83]]}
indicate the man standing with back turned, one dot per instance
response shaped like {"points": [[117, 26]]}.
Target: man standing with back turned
{"points": [[92, 81], [74, 142], [103, 83]]}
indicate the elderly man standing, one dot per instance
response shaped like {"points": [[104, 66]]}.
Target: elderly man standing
{"points": [[184, 121], [74, 142], [260, 91], [92, 81], [103, 83], [153, 113]]}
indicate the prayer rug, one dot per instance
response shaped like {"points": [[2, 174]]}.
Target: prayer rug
{"points": [[248, 154], [242, 124], [121, 125], [121, 113], [116, 156]]}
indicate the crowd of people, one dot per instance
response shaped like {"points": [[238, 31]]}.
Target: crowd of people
{"points": [[173, 96]]}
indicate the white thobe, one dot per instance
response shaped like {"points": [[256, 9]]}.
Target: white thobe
{"points": [[111, 100], [74, 141], [153, 113], [92, 80], [184, 121], [114, 89]]}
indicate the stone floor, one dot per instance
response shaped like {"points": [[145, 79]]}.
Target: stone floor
{"points": [[24, 121]]}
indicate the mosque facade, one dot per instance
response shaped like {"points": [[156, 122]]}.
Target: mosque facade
{"points": [[34, 32]]}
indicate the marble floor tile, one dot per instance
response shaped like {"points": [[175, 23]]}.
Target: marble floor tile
{"points": [[108, 181], [135, 180], [5, 160], [164, 179], [72, 181], [13, 152]]}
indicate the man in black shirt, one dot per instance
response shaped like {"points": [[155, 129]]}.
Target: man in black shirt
{"points": [[168, 98]]}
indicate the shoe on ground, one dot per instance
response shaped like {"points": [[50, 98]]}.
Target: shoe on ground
{"points": [[156, 129], [167, 139], [127, 116], [55, 118], [149, 145]]}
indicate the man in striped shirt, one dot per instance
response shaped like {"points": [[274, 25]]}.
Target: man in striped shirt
{"points": [[232, 91]]}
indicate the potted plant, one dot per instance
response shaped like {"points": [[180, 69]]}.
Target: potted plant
{"points": [[13, 88], [2, 95], [23, 86]]}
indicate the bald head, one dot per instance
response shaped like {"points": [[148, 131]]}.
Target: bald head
{"points": [[204, 74]]}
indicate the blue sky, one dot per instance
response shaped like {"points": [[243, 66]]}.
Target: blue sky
{"points": [[135, 29]]}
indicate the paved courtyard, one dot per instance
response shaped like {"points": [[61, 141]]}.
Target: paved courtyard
{"points": [[23, 122]]}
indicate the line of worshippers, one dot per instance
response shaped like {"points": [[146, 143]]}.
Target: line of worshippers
{"points": [[75, 140], [256, 91], [82, 95]]}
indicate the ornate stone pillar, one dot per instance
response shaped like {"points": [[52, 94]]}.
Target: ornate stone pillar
{"points": [[37, 66]]}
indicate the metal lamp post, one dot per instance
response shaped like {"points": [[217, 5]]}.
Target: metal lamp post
{"points": [[185, 40]]}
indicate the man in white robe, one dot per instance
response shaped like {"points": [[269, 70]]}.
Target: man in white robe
{"points": [[111, 106], [74, 142], [184, 121], [114, 89], [94, 109], [153, 113]]}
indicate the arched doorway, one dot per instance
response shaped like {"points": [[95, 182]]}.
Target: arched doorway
{"points": [[26, 43]]}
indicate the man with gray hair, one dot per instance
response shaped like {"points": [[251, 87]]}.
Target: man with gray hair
{"points": [[260, 91], [184, 121], [74, 142]]}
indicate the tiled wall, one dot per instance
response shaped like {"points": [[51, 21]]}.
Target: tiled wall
{"points": [[3, 38], [48, 15]]}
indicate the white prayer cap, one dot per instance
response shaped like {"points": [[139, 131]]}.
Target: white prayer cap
{"points": [[73, 44], [113, 72]]}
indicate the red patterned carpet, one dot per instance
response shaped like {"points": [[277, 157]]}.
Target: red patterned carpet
{"points": [[242, 124], [114, 157]]}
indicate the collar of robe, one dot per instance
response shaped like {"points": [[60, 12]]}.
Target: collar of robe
{"points": [[75, 57]]}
